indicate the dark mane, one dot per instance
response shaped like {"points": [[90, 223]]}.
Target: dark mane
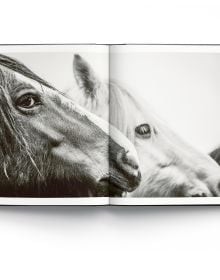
{"points": [[20, 68]]}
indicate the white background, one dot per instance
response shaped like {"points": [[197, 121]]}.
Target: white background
{"points": [[110, 243], [179, 84]]}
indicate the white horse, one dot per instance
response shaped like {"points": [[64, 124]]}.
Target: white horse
{"points": [[170, 167]]}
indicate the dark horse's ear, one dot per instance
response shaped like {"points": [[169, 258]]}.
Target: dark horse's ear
{"points": [[85, 76]]}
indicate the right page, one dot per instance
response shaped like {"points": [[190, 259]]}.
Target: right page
{"points": [[165, 100]]}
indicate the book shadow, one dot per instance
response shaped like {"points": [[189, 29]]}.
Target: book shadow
{"points": [[125, 212]]}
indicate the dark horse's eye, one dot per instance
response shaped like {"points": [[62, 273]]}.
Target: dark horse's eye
{"points": [[28, 101], [143, 130]]}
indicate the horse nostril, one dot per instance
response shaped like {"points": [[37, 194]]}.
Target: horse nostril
{"points": [[129, 159]]}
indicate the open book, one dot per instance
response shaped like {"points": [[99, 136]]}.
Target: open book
{"points": [[109, 124]]}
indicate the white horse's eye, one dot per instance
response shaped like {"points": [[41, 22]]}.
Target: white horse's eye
{"points": [[143, 131]]}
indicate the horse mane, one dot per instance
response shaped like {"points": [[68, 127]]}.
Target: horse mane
{"points": [[122, 104], [119, 109], [20, 68]]}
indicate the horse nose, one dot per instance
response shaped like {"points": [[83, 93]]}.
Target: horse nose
{"points": [[124, 160], [129, 165], [128, 159]]}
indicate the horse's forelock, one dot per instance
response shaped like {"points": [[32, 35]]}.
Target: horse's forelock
{"points": [[20, 68], [118, 113], [125, 109]]}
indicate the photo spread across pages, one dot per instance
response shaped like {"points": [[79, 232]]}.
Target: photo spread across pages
{"points": [[109, 124]]}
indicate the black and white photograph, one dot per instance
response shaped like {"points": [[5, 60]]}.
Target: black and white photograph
{"points": [[116, 122], [51, 146]]}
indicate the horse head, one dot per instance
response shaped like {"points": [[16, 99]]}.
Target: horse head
{"points": [[49, 146], [169, 166]]}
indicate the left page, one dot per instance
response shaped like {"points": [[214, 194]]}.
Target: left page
{"points": [[52, 150]]}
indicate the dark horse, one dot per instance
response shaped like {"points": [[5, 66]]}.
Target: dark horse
{"points": [[51, 147]]}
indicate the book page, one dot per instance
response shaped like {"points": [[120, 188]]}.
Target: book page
{"points": [[53, 150], [165, 100]]}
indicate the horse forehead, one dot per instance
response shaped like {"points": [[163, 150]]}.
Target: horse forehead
{"points": [[138, 115], [141, 115], [121, 99]]}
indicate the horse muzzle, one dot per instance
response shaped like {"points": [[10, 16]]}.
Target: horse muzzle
{"points": [[124, 173]]}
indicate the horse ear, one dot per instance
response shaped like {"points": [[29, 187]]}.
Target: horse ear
{"points": [[85, 76]]}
